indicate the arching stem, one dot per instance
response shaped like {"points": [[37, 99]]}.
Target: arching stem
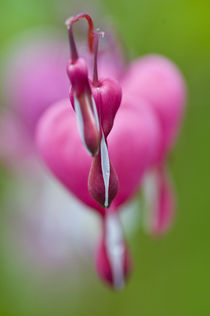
{"points": [[96, 44], [69, 23]]}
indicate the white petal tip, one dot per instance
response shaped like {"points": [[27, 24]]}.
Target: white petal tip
{"points": [[106, 204], [119, 287]]}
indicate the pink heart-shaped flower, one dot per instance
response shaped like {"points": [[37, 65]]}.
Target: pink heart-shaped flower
{"points": [[133, 143]]}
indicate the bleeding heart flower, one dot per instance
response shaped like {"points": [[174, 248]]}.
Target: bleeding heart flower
{"points": [[60, 145], [157, 80]]}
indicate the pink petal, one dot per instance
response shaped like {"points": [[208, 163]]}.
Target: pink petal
{"points": [[132, 144], [158, 80]]}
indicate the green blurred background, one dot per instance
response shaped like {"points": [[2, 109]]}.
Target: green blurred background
{"points": [[171, 274]]}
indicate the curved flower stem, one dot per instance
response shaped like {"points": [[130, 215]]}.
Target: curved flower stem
{"points": [[96, 44], [69, 22]]}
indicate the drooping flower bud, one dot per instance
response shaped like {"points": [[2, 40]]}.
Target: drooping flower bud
{"points": [[87, 120], [113, 261], [102, 180], [80, 94], [107, 94], [159, 201]]}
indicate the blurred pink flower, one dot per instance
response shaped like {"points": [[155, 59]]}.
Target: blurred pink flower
{"points": [[157, 80], [60, 145]]}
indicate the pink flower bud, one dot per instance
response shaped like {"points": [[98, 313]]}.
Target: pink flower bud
{"points": [[102, 180], [87, 121], [84, 105], [78, 74], [80, 94], [107, 95], [113, 261]]}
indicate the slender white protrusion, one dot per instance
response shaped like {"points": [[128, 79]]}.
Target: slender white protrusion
{"points": [[105, 166], [80, 122], [95, 113], [115, 248], [150, 195]]}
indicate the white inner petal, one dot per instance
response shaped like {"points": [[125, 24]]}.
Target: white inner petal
{"points": [[80, 121], [95, 113], [151, 198], [105, 166], [115, 249]]}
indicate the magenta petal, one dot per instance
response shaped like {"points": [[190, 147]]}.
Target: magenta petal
{"points": [[108, 95], [158, 80], [60, 146], [132, 144]]}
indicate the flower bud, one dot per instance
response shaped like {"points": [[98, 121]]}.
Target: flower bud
{"points": [[87, 121], [84, 105], [80, 94], [102, 180], [78, 75], [107, 94]]}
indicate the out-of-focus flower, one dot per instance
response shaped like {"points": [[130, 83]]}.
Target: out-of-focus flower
{"points": [[29, 75], [157, 80], [71, 163]]}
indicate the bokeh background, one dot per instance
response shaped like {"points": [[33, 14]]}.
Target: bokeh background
{"points": [[171, 274]]}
